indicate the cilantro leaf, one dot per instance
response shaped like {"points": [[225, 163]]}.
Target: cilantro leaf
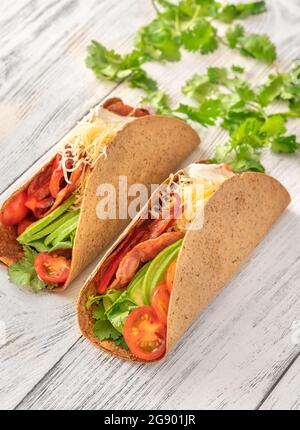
{"points": [[23, 272], [285, 144], [237, 69], [140, 79], [248, 133], [253, 45], [104, 63], [258, 46], [104, 330], [218, 75], [159, 101], [268, 92], [206, 114], [120, 310], [121, 342], [242, 158], [199, 87], [234, 34], [202, 37], [98, 313], [274, 126], [231, 12], [158, 42]]}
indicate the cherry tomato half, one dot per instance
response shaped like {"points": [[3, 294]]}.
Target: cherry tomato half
{"points": [[144, 334], [22, 226], [15, 210], [160, 302], [171, 275], [52, 268]]}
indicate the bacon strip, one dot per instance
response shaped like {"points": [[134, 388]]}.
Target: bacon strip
{"points": [[141, 253], [68, 190], [124, 248]]}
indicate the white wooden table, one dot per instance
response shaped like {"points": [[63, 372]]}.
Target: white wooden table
{"points": [[242, 351]]}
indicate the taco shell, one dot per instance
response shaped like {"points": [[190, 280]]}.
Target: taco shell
{"points": [[236, 218], [144, 150]]}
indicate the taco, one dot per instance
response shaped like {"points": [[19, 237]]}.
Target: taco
{"points": [[165, 269], [49, 228]]}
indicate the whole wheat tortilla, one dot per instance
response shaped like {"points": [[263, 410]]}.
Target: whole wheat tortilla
{"points": [[236, 218], [144, 150]]}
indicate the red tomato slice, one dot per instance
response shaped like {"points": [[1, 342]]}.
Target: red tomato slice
{"points": [[160, 302], [52, 268], [144, 334], [15, 210], [57, 175], [171, 275], [22, 226]]}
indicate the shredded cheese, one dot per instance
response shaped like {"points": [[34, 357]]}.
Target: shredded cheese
{"points": [[195, 185], [88, 141]]}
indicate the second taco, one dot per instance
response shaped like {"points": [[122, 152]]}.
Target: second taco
{"points": [[165, 268]]}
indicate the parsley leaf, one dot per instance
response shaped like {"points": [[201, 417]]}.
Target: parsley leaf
{"points": [[231, 12]]}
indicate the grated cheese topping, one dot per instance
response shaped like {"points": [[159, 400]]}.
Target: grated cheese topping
{"points": [[89, 139]]}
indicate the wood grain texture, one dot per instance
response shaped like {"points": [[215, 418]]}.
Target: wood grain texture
{"points": [[240, 347], [286, 394]]}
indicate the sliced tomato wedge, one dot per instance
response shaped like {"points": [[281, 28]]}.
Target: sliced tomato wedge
{"points": [[52, 268], [15, 210], [160, 302], [171, 275], [23, 225], [144, 334]]}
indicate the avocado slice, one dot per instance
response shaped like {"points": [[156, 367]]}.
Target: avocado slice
{"points": [[136, 285], [158, 268]]}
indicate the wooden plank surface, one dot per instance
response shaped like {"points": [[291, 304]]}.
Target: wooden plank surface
{"points": [[239, 353]]}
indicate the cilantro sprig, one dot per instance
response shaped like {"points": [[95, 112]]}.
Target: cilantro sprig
{"points": [[23, 272], [189, 25], [225, 97], [221, 97]]}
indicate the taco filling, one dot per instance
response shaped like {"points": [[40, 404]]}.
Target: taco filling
{"points": [[133, 286], [44, 215]]}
